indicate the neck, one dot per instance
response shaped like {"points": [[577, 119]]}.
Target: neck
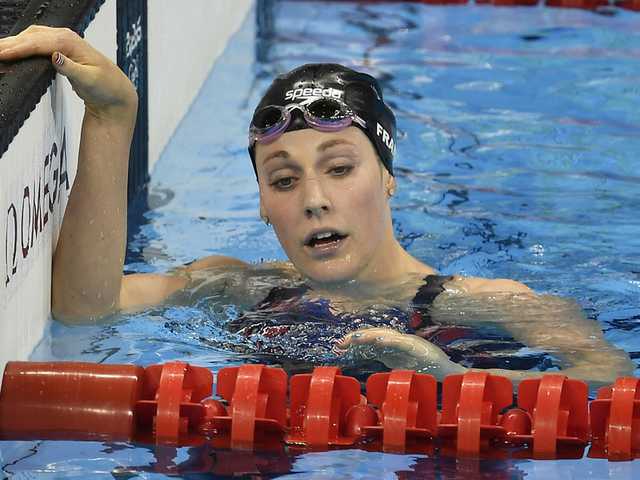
{"points": [[391, 267]]}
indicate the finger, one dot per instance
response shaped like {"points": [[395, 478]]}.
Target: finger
{"points": [[64, 65], [384, 345], [6, 45], [354, 338], [372, 331], [397, 359], [369, 335], [19, 49], [24, 45], [337, 349], [350, 339], [4, 42], [42, 41], [382, 340], [14, 39]]}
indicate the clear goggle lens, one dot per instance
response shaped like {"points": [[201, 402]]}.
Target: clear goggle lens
{"points": [[323, 114]]}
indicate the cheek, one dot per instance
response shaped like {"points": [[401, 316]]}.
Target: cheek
{"points": [[275, 206], [365, 206], [282, 215]]}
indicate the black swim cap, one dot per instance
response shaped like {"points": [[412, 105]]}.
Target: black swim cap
{"points": [[360, 91]]}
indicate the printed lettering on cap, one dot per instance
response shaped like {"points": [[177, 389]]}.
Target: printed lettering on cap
{"points": [[330, 92], [386, 138]]}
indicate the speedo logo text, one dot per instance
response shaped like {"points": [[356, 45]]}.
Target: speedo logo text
{"points": [[313, 92]]}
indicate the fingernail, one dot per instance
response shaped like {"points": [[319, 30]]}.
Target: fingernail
{"points": [[356, 335], [59, 59]]}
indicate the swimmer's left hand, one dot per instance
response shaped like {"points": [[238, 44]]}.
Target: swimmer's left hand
{"points": [[399, 350]]}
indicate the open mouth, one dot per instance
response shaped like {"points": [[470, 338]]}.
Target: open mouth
{"points": [[325, 240]]}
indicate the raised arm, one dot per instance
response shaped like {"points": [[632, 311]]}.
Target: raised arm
{"points": [[87, 265], [87, 275]]}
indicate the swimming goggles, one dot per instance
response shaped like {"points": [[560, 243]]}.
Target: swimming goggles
{"points": [[323, 114]]}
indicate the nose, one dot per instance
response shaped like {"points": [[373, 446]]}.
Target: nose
{"points": [[316, 202]]}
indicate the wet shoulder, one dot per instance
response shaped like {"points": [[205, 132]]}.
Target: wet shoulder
{"points": [[243, 285], [474, 300], [459, 284]]}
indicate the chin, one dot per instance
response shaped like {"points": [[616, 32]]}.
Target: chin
{"points": [[327, 273]]}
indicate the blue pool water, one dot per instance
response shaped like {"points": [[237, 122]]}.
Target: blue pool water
{"points": [[519, 132]]}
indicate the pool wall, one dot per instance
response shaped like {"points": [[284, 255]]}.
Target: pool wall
{"points": [[37, 170]]}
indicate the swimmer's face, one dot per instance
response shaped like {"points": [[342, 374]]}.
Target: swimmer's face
{"points": [[326, 195]]}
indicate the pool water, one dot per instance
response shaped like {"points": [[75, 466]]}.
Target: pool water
{"points": [[519, 132]]}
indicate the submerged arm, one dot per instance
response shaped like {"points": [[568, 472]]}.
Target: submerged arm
{"points": [[547, 323], [576, 341]]}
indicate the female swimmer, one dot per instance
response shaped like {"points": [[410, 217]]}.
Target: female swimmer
{"points": [[322, 142]]}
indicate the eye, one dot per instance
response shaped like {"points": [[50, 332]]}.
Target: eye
{"points": [[284, 183], [341, 170]]}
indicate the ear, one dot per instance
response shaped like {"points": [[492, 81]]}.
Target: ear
{"points": [[389, 183]]}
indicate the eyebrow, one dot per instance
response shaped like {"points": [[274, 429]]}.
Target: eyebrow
{"points": [[278, 154], [283, 154], [333, 143]]}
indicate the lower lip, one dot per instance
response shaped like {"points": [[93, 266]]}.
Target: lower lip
{"points": [[326, 250]]}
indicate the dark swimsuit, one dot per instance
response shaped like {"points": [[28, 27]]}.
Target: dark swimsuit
{"points": [[287, 326]]}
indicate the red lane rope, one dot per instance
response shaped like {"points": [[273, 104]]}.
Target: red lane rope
{"points": [[168, 405]]}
